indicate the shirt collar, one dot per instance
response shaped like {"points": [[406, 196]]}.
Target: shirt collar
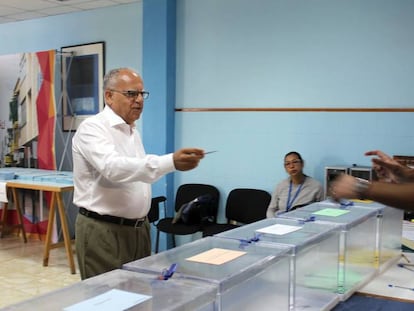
{"points": [[114, 119]]}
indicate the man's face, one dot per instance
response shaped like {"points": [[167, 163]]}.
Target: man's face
{"points": [[127, 106]]}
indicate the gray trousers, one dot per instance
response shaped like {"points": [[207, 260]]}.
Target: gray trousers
{"points": [[103, 246]]}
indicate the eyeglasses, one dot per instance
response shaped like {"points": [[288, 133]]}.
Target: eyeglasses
{"points": [[294, 162], [132, 95]]}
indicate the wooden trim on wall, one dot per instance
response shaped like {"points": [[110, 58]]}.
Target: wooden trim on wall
{"points": [[284, 109]]}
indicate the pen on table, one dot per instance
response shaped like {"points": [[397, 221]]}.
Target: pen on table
{"points": [[403, 287], [403, 265], [405, 257], [168, 273]]}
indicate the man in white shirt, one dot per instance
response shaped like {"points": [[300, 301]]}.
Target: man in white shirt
{"points": [[113, 175]]}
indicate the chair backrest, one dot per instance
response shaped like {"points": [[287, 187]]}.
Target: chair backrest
{"points": [[188, 192], [154, 212], [245, 205]]}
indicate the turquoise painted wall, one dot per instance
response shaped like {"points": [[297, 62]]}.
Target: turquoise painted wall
{"points": [[302, 54]]}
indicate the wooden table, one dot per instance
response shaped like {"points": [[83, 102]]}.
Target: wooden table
{"points": [[56, 190], [5, 226], [395, 283]]}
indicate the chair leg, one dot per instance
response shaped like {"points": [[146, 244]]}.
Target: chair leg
{"points": [[157, 241]]}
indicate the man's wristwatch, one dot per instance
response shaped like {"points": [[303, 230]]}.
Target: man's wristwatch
{"points": [[361, 188]]}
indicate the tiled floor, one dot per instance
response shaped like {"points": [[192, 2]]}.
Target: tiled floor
{"points": [[22, 275]]}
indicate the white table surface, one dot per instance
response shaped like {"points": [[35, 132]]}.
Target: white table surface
{"points": [[395, 276]]}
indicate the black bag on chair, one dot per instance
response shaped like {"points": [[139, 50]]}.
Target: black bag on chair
{"points": [[198, 211]]}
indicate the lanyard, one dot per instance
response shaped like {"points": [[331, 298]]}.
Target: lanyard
{"points": [[289, 202]]}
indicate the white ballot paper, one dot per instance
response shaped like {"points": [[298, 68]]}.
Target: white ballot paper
{"points": [[279, 229], [113, 300]]}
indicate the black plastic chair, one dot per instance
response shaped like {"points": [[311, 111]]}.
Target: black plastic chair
{"points": [[243, 206], [186, 193], [154, 213]]}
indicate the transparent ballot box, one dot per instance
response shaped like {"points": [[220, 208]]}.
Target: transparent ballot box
{"points": [[357, 245], [248, 276], [314, 259], [389, 232], [126, 290]]}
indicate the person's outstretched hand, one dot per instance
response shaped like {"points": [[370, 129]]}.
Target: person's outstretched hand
{"points": [[387, 168], [187, 158], [343, 187]]}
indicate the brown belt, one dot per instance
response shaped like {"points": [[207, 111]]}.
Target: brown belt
{"points": [[113, 219]]}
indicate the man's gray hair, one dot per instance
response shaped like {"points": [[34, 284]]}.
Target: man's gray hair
{"points": [[110, 79]]}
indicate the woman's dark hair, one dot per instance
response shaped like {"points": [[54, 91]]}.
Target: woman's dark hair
{"points": [[295, 153]]}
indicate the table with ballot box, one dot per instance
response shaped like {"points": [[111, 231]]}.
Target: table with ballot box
{"points": [[311, 258]]}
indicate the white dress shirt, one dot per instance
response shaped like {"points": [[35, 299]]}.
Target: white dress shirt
{"points": [[112, 174]]}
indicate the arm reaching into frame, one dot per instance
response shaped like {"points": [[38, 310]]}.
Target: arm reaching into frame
{"points": [[388, 169], [397, 195]]}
